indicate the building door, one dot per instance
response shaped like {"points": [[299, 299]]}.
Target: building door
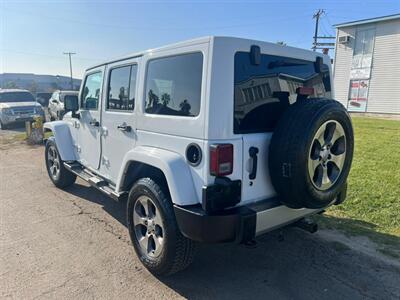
{"points": [[361, 70]]}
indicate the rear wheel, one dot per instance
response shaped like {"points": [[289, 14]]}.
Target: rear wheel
{"points": [[155, 235], [58, 174], [311, 153]]}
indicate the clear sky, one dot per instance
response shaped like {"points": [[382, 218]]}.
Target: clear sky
{"points": [[34, 34]]}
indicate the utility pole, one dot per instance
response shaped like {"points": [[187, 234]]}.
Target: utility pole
{"points": [[316, 16], [70, 67]]}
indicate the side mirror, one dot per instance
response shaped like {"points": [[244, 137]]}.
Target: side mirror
{"points": [[71, 103]]}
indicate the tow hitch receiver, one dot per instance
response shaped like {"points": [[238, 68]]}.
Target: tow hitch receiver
{"points": [[307, 224]]}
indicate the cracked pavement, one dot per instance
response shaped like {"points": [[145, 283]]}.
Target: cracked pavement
{"points": [[74, 244]]}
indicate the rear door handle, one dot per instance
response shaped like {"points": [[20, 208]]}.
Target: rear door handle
{"points": [[124, 127], [94, 123], [253, 151]]}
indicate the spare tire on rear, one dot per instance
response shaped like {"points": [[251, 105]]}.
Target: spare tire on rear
{"points": [[311, 152]]}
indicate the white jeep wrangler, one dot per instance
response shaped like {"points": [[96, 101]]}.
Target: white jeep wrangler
{"points": [[215, 139]]}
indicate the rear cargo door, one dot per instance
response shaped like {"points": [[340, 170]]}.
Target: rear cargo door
{"points": [[263, 90], [256, 180]]}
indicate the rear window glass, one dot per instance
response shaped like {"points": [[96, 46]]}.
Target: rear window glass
{"points": [[173, 85], [262, 92], [16, 97]]}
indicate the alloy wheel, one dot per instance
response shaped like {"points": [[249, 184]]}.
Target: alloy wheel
{"points": [[54, 162], [149, 227], [327, 155]]}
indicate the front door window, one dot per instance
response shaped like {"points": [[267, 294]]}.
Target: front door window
{"points": [[91, 91]]}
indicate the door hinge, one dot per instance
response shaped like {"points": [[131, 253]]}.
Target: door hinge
{"points": [[105, 161], [104, 131]]}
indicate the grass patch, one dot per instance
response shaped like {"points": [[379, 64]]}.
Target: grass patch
{"points": [[48, 134], [372, 207]]}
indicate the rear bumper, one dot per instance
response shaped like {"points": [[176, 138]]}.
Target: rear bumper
{"points": [[239, 224]]}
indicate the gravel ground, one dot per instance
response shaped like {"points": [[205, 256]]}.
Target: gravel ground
{"points": [[74, 244], [13, 130]]}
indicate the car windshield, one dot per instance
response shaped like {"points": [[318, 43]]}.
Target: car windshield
{"points": [[16, 97]]}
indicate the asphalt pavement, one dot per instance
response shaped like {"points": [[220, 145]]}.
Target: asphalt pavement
{"points": [[74, 244]]}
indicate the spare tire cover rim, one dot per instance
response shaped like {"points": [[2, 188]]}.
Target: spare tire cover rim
{"points": [[327, 155]]}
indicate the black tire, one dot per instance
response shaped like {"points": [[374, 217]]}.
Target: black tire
{"points": [[63, 178], [293, 144], [178, 251]]}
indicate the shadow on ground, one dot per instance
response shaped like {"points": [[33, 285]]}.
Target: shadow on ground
{"points": [[302, 266], [386, 243]]}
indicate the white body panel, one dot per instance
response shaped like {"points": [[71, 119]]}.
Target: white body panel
{"points": [[261, 187], [161, 140], [64, 140], [88, 135], [174, 167], [115, 143]]}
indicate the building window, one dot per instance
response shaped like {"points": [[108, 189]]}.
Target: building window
{"points": [[362, 55]]}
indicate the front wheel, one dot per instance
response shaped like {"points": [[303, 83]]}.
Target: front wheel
{"points": [[155, 235], [58, 174]]}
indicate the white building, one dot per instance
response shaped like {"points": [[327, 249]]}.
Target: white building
{"points": [[367, 65]]}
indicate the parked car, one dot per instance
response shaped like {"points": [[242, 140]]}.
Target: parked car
{"points": [[43, 98], [210, 140], [17, 106], [56, 104]]}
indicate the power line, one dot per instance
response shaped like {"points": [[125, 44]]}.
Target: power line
{"points": [[316, 43], [48, 55], [161, 27]]}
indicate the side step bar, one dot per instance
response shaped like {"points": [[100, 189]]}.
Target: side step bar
{"points": [[94, 180]]}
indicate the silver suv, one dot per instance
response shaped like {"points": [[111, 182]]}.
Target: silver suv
{"points": [[18, 106]]}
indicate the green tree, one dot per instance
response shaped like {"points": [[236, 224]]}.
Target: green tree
{"points": [[165, 99], [10, 85], [33, 87]]}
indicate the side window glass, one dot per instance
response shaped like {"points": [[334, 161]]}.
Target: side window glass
{"points": [[173, 85], [132, 87], [121, 89], [91, 91]]}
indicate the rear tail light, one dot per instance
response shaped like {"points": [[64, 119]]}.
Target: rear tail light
{"points": [[305, 91], [221, 159]]}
